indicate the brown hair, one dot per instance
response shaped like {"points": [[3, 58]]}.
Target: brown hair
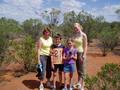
{"points": [[58, 36], [46, 30]]}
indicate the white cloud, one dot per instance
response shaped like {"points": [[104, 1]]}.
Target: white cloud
{"points": [[20, 9], [71, 5], [25, 9], [108, 12]]}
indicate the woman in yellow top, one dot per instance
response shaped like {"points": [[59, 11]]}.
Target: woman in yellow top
{"points": [[81, 44], [44, 60]]}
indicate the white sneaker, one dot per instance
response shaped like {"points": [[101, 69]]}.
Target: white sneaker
{"points": [[77, 86], [53, 87], [41, 87], [70, 88], [48, 84], [82, 87], [65, 88]]}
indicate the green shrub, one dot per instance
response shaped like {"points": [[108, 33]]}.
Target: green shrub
{"points": [[90, 82], [107, 79], [26, 51]]}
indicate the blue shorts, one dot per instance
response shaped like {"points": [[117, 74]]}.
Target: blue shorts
{"points": [[69, 67]]}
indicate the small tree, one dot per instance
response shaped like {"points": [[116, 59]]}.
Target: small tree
{"points": [[26, 51], [3, 47], [32, 27], [9, 30], [108, 40]]}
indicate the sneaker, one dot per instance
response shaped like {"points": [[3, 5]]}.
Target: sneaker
{"points": [[65, 88], [77, 86], [82, 87], [48, 84], [70, 88], [53, 87], [41, 87]]}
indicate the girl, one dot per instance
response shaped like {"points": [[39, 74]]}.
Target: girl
{"points": [[81, 44], [69, 57]]}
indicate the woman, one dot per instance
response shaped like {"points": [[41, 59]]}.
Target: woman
{"points": [[81, 44], [44, 60]]}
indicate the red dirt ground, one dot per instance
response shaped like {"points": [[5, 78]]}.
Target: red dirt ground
{"points": [[29, 81]]}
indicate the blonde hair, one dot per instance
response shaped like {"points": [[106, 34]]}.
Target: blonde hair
{"points": [[79, 25], [70, 39]]}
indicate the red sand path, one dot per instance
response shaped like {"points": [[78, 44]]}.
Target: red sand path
{"points": [[30, 82]]}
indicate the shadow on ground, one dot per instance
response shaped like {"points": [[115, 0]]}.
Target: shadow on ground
{"points": [[31, 84]]}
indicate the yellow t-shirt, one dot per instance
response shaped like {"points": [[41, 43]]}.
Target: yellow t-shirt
{"points": [[79, 43], [45, 47]]}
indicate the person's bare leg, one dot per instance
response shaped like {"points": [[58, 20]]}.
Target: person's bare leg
{"points": [[54, 79], [41, 87], [65, 80], [70, 79], [60, 77]]}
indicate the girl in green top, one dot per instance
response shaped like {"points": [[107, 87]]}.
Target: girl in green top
{"points": [[81, 44]]}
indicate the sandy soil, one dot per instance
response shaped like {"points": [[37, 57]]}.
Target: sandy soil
{"points": [[29, 81]]}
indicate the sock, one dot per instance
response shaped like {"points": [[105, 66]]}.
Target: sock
{"points": [[41, 84]]}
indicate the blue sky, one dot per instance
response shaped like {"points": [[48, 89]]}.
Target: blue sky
{"points": [[21, 10]]}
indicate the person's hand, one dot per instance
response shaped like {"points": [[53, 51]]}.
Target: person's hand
{"points": [[68, 57], [51, 52], [52, 66], [72, 56], [40, 67], [84, 56]]}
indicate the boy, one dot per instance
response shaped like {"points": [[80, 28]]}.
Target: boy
{"points": [[56, 57]]}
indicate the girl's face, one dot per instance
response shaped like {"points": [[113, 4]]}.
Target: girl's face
{"points": [[77, 28], [70, 43]]}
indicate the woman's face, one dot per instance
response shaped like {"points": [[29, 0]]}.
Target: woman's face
{"points": [[46, 33], [76, 28]]}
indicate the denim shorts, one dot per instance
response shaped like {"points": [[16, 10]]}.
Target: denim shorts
{"points": [[69, 67]]}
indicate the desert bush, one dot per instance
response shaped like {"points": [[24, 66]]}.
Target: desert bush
{"points": [[90, 82], [107, 79], [26, 51], [108, 39], [3, 47]]}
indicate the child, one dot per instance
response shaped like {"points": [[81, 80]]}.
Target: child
{"points": [[56, 57], [69, 56]]}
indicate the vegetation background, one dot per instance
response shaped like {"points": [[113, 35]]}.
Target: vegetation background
{"points": [[18, 40]]}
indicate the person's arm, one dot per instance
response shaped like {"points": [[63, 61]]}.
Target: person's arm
{"points": [[38, 50], [64, 56], [85, 43], [67, 57], [51, 54]]}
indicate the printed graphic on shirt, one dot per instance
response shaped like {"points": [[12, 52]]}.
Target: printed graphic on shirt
{"points": [[57, 55]]}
